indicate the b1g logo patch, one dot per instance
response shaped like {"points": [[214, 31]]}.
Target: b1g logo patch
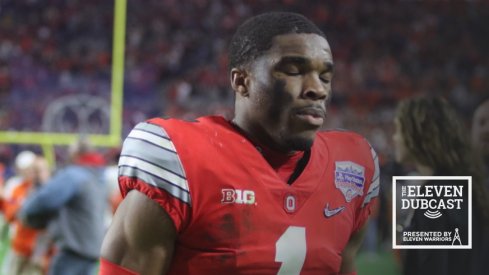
{"points": [[238, 196], [349, 178]]}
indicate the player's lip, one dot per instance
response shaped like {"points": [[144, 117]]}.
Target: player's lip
{"points": [[314, 111], [313, 115]]}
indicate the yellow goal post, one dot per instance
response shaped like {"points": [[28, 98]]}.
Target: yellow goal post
{"points": [[47, 140]]}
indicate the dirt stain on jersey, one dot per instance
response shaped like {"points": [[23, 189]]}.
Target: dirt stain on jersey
{"points": [[228, 226]]}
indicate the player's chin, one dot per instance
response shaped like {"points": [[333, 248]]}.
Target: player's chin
{"points": [[301, 141]]}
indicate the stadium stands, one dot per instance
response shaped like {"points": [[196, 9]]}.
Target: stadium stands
{"points": [[176, 61]]}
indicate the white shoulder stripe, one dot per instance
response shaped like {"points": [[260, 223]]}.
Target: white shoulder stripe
{"points": [[373, 190], [154, 170], [148, 154], [376, 163], [154, 154], [155, 181], [148, 127], [152, 138]]}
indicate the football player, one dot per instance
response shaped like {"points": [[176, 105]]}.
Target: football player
{"points": [[264, 193]]}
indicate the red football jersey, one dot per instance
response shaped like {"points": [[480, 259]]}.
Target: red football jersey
{"points": [[233, 213]]}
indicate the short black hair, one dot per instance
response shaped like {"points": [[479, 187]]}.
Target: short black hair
{"points": [[255, 35]]}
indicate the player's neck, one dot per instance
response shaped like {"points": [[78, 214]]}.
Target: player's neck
{"points": [[260, 139], [287, 165]]}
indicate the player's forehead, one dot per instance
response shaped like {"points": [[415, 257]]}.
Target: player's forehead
{"points": [[307, 45]]}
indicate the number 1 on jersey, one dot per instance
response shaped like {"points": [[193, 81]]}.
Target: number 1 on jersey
{"points": [[291, 250]]}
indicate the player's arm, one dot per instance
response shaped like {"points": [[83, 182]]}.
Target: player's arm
{"points": [[350, 252], [140, 239], [356, 239]]}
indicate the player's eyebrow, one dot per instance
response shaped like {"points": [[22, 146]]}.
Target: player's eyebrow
{"points": [[302, 61], [298, 60]]}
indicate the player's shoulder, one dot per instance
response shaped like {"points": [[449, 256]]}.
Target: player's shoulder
{"points": [[342, 137], [158, 140], [166, 135], [149, 156], [354, 153], [345, 144], [181, 124]]}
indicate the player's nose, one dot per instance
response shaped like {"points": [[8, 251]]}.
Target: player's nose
{"points": [[314, 88]]}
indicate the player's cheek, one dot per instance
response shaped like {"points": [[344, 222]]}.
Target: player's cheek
{"points": [[279, 100]]}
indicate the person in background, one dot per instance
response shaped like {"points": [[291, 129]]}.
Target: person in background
{"points": [[23, 238], [24, 163], [43, 248], [429, 136], [2, 183], [111, 179], [73, 202], [480, 135], [5, 174]]}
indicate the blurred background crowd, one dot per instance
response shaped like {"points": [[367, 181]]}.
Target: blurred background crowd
{"points": [[176, 64]]}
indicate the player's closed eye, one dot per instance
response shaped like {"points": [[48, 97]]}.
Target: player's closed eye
{"points": [[291, 70], [325, 79], [326, 76]]}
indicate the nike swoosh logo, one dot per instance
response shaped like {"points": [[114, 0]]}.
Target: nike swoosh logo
{"points": [[330, 213]]}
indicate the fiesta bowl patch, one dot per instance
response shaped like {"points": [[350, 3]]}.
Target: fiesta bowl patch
{"points": [[349, 178]]}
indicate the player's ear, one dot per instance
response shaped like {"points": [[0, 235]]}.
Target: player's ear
{"points": [[240, 81]]}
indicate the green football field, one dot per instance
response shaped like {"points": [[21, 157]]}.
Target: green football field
{"points": [[4, 243], [379, 263]]}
